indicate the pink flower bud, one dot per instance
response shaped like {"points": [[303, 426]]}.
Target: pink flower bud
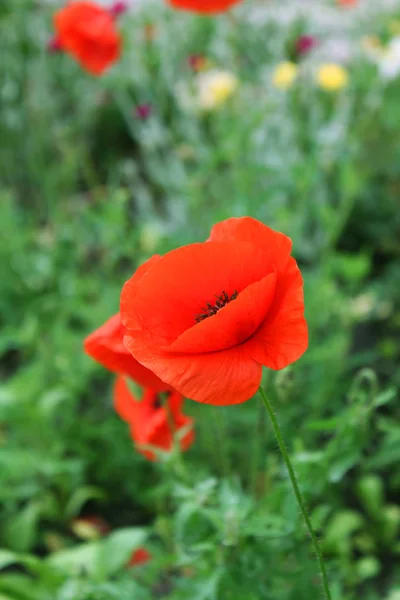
{"points": [[118, 8], [305, 43], [143, 111]]}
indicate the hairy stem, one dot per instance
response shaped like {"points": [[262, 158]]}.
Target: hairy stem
{"points": [[296, 490]]}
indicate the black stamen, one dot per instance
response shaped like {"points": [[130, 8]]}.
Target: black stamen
{"points": [[211, 309]]}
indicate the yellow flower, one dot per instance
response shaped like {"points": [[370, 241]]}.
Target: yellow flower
{"points": [[332, 77], [284, 75], [394, 26], [215, 87], [372, 46]]}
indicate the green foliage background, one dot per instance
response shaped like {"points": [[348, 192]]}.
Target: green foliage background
{"points": [[88, 192]]}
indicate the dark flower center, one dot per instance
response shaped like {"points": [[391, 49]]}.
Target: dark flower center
{"points": [[211, 309], [157, 403]]}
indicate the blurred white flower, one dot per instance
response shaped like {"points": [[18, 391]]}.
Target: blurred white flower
{"points": [[338, 49], [362, 305], [389, 59]]}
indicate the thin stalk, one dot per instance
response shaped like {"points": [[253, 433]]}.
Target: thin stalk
{"points": [[296, 490]]}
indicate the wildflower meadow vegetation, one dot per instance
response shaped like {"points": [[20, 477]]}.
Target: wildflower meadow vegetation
{"points": [[200, 300]]}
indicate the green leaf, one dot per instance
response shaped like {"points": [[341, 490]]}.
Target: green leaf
{"points": [[20, 532], [7, 558], [370, 492], [117, 549], [74, 561], [80, 497], [368, 567]]}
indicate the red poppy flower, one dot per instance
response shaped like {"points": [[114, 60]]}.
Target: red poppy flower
{"points": [[347, 2], [203, 6], [151, 423], [207, 316], [139, 557], [87, 32], [105, 346]]}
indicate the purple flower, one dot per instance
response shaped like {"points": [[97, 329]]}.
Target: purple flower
{"points": [[118, 8], [143, 111], [305, 43]]}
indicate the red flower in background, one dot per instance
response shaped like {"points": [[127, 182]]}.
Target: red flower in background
{"points": [[151, 423], [105, 346], [203, 6], [207, 316], [139, 557], [347, 2], [87, 32]]}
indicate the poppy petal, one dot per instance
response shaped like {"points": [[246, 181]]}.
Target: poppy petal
{"points": [[233, 324], [283, 336], [203, 6], [87, 32], [172, 292], [105, 345], [275, 245], [219, 378], [124, 401], [129, 291]]}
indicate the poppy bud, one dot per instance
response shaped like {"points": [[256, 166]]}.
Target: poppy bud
{"points": [[305, 43], [143, 111], [118, 8]]}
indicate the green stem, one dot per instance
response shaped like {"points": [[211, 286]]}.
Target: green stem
{"points": [[297, 493]]}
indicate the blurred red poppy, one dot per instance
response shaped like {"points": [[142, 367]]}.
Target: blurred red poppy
{"points": [[87, 32], [151, 422], [347, 2], [203, 6], [105, 346], [207, 316], [139, 557]]}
